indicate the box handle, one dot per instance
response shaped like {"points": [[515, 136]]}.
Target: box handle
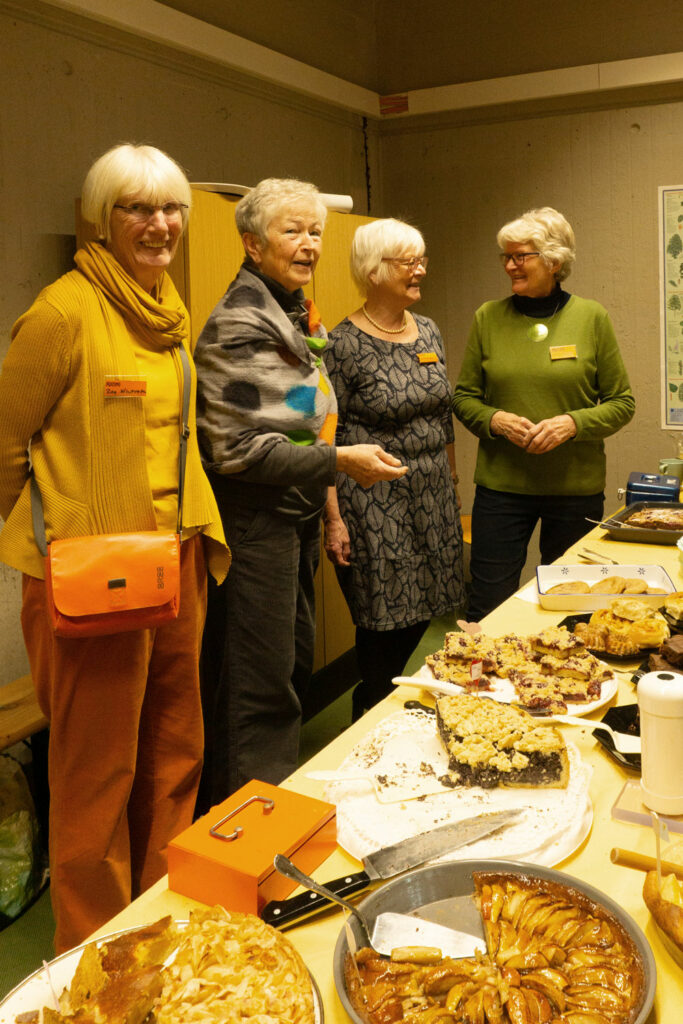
{"points": [[268, 805]]}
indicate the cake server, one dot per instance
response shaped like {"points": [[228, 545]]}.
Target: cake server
{"points": [[389, 930], [389, 861]]}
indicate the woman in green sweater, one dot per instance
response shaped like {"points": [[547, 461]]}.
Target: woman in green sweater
{"points": [[542, 383]]}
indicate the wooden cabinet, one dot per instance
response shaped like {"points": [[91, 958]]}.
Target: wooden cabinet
{"points": [[208, 257]]}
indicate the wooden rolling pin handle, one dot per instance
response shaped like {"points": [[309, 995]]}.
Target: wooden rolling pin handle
{"points": [[630, 859]]}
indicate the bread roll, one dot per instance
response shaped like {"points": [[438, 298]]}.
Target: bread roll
{"points": [[609, 585]]}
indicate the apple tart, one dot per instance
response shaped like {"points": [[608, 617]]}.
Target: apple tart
{"points": [[553, 956]]}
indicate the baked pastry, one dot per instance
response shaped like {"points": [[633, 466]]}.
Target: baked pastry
{"points": [[119, 980], [556, 640], [672, 650], [491, 744], [673, 605], [656, 519], [518, 658], [570, 587], [636, 586], [609, 585], [553, 955], [632, 609], [666, 904]]}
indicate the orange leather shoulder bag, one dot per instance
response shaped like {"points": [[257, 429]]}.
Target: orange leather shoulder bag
{"points": [[114, 582]]}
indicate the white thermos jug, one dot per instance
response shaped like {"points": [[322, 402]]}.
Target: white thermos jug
{"points": [[660, 700]]}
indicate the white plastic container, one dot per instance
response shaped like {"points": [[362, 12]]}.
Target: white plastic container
{"points": [[660, 700]]}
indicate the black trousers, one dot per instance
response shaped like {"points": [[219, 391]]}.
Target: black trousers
{"points": [[257, 652], [381, 656], [502, 525]]}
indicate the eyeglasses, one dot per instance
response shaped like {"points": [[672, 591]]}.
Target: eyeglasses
{"points": [[518, 258], [145, 211], [407, 262]]}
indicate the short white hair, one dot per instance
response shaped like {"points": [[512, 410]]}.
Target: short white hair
{"points": [[132, 169], [255, 211], [549, 232], [378, 240]]}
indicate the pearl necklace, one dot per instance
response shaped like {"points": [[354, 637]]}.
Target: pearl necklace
{"points": [[386, 330]]}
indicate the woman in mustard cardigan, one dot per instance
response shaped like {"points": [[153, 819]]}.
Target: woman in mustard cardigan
{"points": [[126, 736]]}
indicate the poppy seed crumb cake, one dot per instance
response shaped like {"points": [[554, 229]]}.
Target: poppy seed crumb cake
{"points": [[491, 744]]}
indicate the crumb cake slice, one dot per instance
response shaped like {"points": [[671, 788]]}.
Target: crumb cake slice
{"points": [[491, 744], [558, 641]]}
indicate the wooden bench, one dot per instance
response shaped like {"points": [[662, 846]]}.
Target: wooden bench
{"points": [[20, 716]]}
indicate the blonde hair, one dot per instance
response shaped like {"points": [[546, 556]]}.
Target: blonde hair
{"points": [[255, 211], [378, 240], [549, 232], [132, 169]]}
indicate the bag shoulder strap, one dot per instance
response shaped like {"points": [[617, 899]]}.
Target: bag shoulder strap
{"points": [[37, 512]]}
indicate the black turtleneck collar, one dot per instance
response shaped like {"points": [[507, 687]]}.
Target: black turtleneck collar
{"points": [[293, 303], [542, 306]]}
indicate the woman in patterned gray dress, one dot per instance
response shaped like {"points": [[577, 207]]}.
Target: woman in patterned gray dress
{"points": [[398, 549]]}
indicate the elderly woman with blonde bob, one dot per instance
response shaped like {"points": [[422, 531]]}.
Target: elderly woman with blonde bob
{"points": [[398, 549], [267, 416], [125, 718], [542, 384]]}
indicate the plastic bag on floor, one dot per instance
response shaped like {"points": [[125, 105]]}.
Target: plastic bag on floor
{"points": [[20, 854]]}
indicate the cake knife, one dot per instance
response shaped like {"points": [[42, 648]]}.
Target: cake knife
{"points": [[389, 861]]}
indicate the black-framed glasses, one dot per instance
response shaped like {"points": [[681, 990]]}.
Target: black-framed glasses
{"points": [[407, 262], [145, 211], [518, 258]]}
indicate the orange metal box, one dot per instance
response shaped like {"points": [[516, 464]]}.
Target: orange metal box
{"points": [[226, 856]]}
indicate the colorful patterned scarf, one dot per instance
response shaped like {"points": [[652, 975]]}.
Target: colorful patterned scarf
{"points": [[259, 380]]}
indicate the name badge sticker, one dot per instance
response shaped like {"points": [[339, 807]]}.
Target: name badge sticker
{"points": [[427, 357], [562, 352], [124, 386]]}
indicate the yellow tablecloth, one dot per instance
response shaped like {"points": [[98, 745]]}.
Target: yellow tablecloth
{"points": [[591, 862]]}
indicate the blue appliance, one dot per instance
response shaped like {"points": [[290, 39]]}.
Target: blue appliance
{"points": [[652, 487]]}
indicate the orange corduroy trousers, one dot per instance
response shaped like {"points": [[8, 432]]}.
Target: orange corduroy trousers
{"points": [[125, 751]]}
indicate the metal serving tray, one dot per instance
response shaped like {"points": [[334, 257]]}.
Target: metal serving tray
{"points": [[638, 534], [443, 893]]}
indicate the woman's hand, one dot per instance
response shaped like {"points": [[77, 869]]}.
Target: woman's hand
{"points": [[368, 463], [337, 541], [514, 428], [548, 434]]}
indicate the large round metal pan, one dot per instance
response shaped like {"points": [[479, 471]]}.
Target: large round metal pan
{"points": [[443, 892]]}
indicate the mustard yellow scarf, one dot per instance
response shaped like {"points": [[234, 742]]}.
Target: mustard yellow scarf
{"points": [[161, 318]]}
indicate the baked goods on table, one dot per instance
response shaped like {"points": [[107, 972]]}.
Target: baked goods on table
{"points": [[228, 966], [665, 903], [490, 744], [627, 627], [234, 967], [553, 955], [546, 669], [606, 585], [656, 519]]}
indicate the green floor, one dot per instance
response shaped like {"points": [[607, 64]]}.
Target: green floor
{"points": [[26, 943]]}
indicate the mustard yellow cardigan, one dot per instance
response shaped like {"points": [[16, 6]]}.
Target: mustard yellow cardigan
{"points": [[88, 455]]}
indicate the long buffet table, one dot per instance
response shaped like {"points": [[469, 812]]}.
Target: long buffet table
{"points": [[316, 938]]}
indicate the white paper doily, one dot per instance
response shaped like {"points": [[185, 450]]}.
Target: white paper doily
{"points": [[555, 822]]}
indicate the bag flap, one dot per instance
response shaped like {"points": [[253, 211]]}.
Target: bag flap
{"points": [[114, 572]]}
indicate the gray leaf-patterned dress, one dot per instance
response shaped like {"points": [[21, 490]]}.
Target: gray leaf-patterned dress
{"points": [[406, 538]]}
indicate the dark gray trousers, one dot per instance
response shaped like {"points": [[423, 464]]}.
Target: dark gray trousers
{"points": [[257, 653]]}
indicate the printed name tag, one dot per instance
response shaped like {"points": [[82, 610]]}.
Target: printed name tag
{"points": [[124, 387], [428, 357], [562, 351]]}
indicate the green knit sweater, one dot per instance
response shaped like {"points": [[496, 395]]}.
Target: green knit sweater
{"points": [[504, 370]]}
